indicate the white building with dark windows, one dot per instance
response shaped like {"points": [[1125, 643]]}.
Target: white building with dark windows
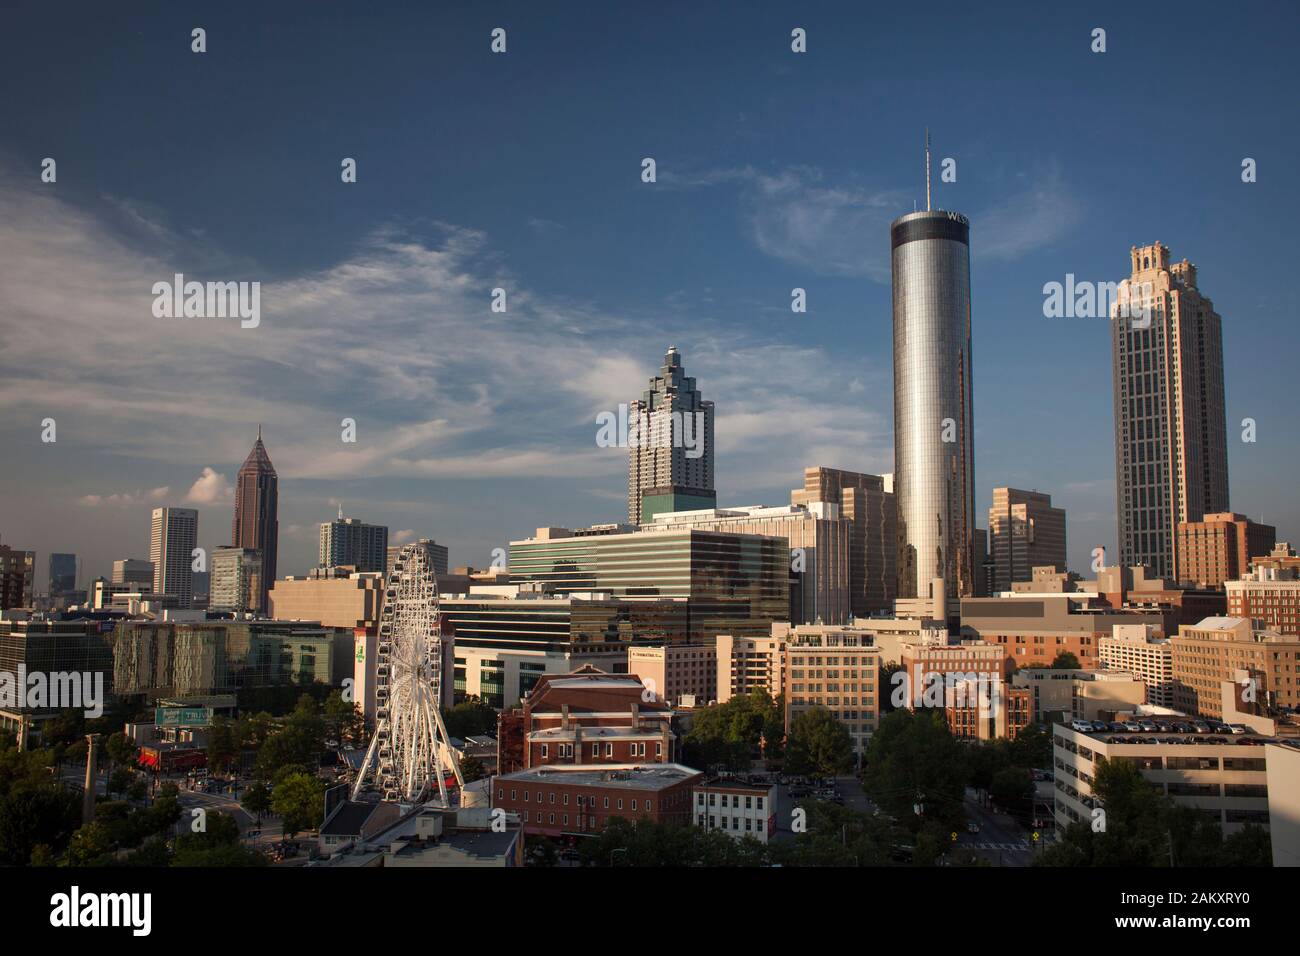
{"points": [[735, 806]]}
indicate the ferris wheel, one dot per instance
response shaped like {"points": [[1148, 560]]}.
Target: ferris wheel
{"points": [[410, 750]]}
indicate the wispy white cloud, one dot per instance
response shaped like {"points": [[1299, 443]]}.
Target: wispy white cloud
{"points": [[397, 335], [801, 216]]}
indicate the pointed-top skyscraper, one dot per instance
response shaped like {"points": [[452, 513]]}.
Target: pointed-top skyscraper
{"points": [[256, 522], [670, 446]]}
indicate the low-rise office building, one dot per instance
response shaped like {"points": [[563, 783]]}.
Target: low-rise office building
{"points": [[1218, 649], [335, 597], [1033, 628], [819, 539], [1134, 649], [736, 807], [733, 583], [508, 637], [1086, 694], [682, 674], [204, 658], [580, 800]]}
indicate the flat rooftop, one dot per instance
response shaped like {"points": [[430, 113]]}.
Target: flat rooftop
{"points": [[1179, 738], [658, 776]]}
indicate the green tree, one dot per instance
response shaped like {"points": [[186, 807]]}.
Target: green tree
{"points": [[1137, 826], [90, 845], [910, 762], [887, 683], [122, 750], [1065, 661], [299, 801], [222, 748], [471, 768], [217, 846], [120, 779], [257, 799], [471, 718], [30, 817], [818, 744], [1012, 789], [730, 734]]}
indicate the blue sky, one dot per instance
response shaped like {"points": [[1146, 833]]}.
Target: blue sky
{"points": [[522, 170]]}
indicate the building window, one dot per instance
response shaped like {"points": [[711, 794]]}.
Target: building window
{"points": [[543, 751]]}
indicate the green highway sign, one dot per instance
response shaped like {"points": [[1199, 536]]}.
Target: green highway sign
{"points": [[182, 716]]}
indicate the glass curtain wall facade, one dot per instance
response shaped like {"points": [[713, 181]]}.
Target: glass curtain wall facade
{"points": [[736, 583], [934, 474]]}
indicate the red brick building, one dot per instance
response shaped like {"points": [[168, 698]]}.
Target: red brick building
{"points": [[584, 718], [1220, 548], [560, 801]]}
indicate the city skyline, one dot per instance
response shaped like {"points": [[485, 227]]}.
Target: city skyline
{"points": [[394, 306]]}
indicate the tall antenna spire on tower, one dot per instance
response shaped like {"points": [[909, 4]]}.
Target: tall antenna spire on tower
{"points": [[927, 169], [340, 511]]}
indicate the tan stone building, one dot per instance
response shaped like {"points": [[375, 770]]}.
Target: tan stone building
{"points": [[1264, 663], [838, 669], [335, 597], [747, 664]]}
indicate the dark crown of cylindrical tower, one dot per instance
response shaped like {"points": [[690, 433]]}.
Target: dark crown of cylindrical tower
{"points": [[929, 224]]}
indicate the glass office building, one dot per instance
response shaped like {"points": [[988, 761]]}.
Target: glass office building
{"points": [[734, 583]]}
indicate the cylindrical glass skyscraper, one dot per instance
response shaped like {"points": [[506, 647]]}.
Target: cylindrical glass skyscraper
{"points": [[934, 458]]}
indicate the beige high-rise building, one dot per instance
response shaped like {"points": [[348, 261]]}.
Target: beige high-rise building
{"points": [[1220, 547], [868, 502], [1025, 532], [1171, 459]]}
